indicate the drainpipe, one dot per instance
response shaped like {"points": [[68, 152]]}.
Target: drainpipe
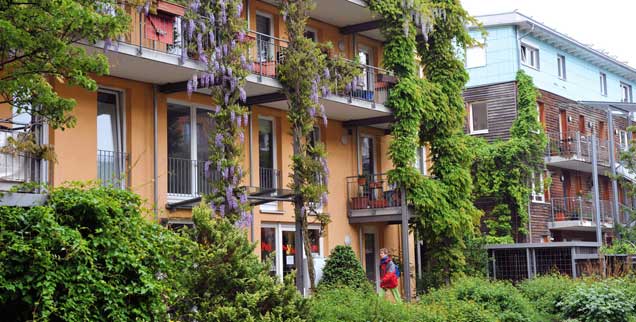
{"points": [[247, 13], [249, 149], [155, 169], [612, 159]]}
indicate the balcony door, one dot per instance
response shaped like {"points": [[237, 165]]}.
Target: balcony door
{"points": [[269, 175], [367, 155], [188, 132], [278, 246], [365, 54], [111, 156], [371, 255], [264, 38]]}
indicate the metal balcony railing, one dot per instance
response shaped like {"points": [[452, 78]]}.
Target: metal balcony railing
{"points": [[371, 192], [575, 145], [112, 168], [18, 167], [188, 178], [270, 178], [580, 209]]}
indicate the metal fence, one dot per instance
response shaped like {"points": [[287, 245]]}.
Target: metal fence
{"points": [[579, 208], [576, 145], [270, 178], [112, 168], [372, 191], [17, 167], [187, 177]]}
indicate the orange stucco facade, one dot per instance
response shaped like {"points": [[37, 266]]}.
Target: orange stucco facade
{"points": [[76, 147]]}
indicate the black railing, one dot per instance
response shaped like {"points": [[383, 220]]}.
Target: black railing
{"points": [[188, 177], [372, 192], [112, 168]]}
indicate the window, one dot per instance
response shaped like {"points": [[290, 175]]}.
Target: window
{"points": [[530, 56], [475, 56], [626, 93], [188, 131], [278, 247], [366, 59], [603, 83], [561, 66], [311, 33], [420, 160], [538, 190], [264, 41], [623, 139], [111, 157], [478, 118], [367, 155]]}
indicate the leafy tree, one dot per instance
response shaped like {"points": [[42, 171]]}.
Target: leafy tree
{"points": [[503, 170], [227, 282], [307, 73], [431, 111], [343, 269], [39, 44], [87, 255]]}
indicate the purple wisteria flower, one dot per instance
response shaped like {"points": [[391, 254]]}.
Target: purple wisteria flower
{"points": [[206, 168], [222, 210], [327, 73], [242, 94], [218, 140], [191, 27], [241, 136], [212, 206]]}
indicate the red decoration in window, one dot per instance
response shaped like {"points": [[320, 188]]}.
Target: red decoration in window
{"points": [[160, 28]]}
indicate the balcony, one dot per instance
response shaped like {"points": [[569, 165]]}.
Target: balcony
{"points": [[187, 179], [578, 213], [573, 150], [112, 168], [372, 199], [17, 171]]}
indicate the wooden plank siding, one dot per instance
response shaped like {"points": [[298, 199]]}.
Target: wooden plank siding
{"points": [[501, 101]]}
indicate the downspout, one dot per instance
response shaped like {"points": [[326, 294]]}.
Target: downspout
{"points": [[155, 169], [247, 13], [249, 142]]}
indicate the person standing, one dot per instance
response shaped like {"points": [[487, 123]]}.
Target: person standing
{"points": [[388, 276]]}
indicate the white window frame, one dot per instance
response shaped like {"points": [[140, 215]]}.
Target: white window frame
{"points": [[278, 231], [538, 196], [603, 83], [422, 156], [623, 140], [561, 67], [121, 107], [470, 120], [193, 107], [626, 87], [271, 207], [530, 49], [314, 30], [474, 50]]}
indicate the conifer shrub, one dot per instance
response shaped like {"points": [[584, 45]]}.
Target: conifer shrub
{"points": [[343, 269]]}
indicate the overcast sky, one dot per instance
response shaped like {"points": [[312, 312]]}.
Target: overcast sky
{"points": [[609, 25]]}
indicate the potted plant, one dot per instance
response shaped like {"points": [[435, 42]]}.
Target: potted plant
{"points": [[362, 180]]}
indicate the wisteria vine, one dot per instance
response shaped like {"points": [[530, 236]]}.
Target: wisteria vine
{"points": [[216, 35]]}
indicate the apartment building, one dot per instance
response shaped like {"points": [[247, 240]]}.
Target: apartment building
{"points": [[141, 131], [584, 94]]}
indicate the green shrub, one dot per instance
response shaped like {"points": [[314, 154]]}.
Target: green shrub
{"points": [[501, 299], [546, 291], [87, 255], [343, 269], [605, 301]]}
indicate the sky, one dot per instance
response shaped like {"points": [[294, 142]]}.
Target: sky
{"points": [[606, 25]]}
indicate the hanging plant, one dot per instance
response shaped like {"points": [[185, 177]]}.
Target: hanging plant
{"points": [[217, 34]]}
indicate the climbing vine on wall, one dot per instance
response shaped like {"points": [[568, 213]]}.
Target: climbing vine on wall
{"points": [[430, 111], [216, 33], [504, 170], [307, 73]]}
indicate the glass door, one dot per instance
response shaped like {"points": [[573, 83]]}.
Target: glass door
{"points": [[110, 142], [179, 150]]}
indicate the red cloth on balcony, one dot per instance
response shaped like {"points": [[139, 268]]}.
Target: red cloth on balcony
{"points": [[160, 28]]}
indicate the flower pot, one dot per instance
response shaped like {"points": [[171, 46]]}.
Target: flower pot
{"points": [[359, 202], [362, 181]]}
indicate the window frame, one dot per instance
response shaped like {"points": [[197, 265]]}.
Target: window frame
{"points": [[623, 140], [194, 155], [121, 129], [529, 50], [270, 207], [603, 83], [279, 228], [561, 67], [422, 156], [482, 49], [471, 120], [538, 197], [624, 86], [312, 30]]}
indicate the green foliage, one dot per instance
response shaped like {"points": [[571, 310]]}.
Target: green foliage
{"points": [[598, 302], [87, 255], [226, 281], [343, 269], [503, 170], [306, 74], [626, 233], [430, 111], [500, 298], [545, 292], [620, 247], [39, 45]]}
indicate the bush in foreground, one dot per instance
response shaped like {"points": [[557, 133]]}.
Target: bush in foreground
{"points": [[343, 269], [606, 301], [544, 292]]}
